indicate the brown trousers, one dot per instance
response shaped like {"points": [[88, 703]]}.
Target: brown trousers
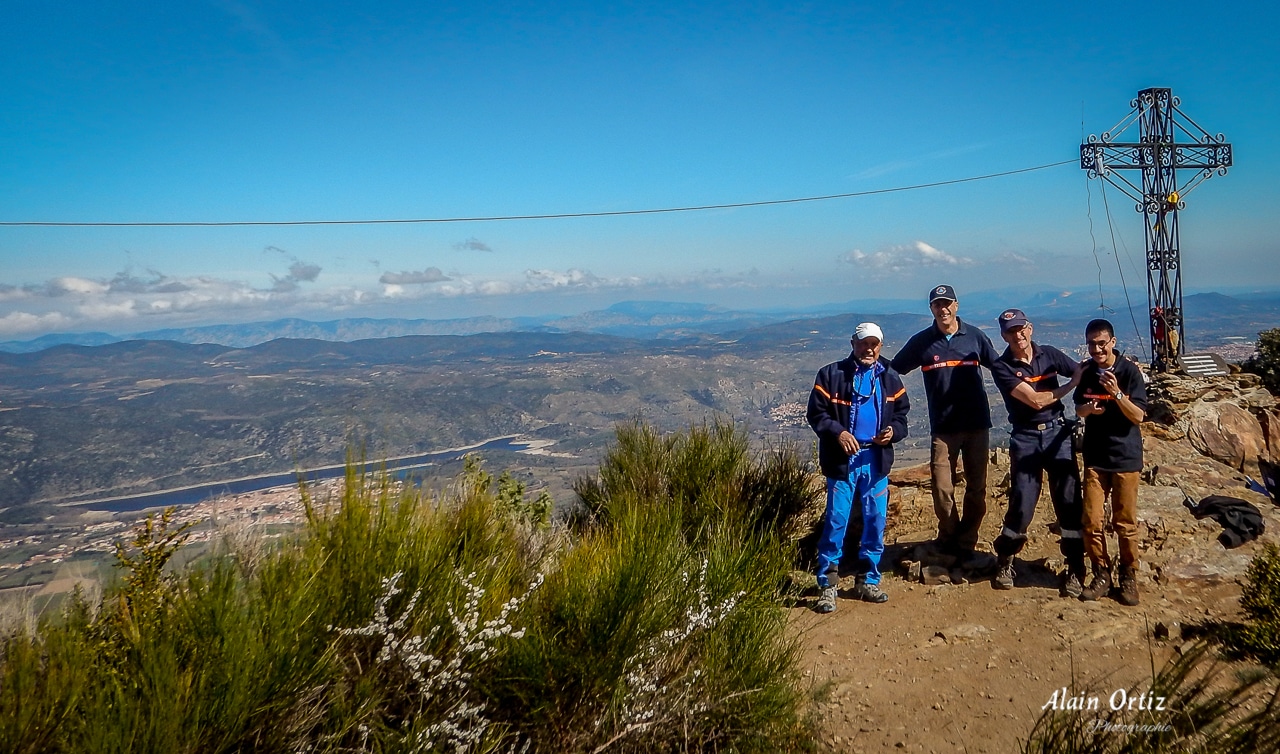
{"points": [[1123, 488], [959, 528]]}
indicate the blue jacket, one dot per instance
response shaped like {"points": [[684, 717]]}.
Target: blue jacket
{"points": [[828, 414]]}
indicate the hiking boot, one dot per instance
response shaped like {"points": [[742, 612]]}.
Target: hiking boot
{"points": [[1071, 585], [1128, 586], [1004, 573], [826, 600], [1099, 587], [870, 593]]}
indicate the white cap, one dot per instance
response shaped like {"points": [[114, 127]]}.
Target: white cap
{"points": [[868, 330]]}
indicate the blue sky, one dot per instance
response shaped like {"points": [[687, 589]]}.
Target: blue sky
{"points": [[236, 111]]}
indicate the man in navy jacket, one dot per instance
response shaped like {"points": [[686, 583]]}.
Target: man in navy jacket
{"points": [[858, 408], [950, 352]]}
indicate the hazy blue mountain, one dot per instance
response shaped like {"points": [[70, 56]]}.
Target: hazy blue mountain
{"points": [[676, 320], [58, 339]]}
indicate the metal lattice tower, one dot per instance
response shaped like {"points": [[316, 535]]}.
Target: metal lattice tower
{"points": [[1158, 155]]}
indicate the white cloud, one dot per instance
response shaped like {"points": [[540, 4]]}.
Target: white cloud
{"points": [[75, 285], [304, 271], [299, 272], [13, 292], [429, 275], [535, 281], [545, 279], [119, 302], [905, 258], [18, 323], [105, 309]]}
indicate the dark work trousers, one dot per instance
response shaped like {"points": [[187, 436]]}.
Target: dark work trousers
{"points": [[1033, 452]]}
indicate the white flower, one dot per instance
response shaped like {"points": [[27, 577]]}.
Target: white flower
{"points": [[464, 724]]}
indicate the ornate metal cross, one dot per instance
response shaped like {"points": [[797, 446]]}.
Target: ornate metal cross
{"points": [[1159, 155]]}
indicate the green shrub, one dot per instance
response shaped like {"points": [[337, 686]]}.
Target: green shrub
{"points": [[1258, 636], [1266, 362], [708, 473], [399, 621]]}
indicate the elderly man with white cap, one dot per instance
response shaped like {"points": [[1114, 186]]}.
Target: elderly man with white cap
{"points": [[858, 408]]}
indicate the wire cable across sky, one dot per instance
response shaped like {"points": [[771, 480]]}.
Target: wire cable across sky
{"points": [[508, 218]]}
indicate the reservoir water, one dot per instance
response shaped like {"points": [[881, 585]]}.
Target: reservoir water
{"points": [[401, 467]]}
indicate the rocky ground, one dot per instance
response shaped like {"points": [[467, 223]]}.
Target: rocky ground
{"points": [[954, 665]]}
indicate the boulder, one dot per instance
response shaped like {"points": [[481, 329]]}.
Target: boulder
{"points": [[910, 476], [1271, 431], [1226, 432], [1179, 391], [1258, 400], [934, 575]]}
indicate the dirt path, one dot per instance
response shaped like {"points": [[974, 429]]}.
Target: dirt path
{"points": [[966, 668]]}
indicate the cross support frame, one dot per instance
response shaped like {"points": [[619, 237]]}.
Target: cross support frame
{"points": [[1157, 156]]}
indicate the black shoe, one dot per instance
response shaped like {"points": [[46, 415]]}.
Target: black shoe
{"points": [[1100, 586], [1004, 573], [1128, 586]]}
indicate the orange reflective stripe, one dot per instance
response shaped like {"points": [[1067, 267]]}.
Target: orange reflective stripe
{"points": [[1102, 397], [941, 364], [824, 392], [1041, 377], [897, 395]]}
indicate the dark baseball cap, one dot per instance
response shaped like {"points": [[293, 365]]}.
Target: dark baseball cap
{"points": [[943, 291], [1011, 318]]}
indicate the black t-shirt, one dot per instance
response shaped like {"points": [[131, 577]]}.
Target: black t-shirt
{"points": [[1112, 442], [1042, 374]]}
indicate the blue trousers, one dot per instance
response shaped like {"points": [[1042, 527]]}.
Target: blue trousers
{"points": [[871, 489]]}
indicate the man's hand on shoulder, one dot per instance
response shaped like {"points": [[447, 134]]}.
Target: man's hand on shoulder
{"points": [[1076, 375]]}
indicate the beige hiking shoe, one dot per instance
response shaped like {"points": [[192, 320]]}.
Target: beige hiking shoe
{"points": [[826, 600]]}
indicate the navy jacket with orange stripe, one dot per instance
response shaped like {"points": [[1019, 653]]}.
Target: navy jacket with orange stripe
{"points": [[828, 414], [952, 377]]}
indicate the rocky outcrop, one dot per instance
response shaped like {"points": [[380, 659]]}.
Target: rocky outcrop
{"points": [[1227, 433], [1222, 417]]}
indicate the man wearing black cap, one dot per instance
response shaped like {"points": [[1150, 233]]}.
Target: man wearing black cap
{"points": [[1031, 380], [949, 353]]}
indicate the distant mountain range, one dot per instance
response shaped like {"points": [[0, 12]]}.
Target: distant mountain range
{"points": [[1206, 314], [132, 416]]}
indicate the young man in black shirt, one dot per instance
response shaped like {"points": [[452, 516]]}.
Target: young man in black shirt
{"points": [[1112, 401], [949, 353], [1033, 379]]}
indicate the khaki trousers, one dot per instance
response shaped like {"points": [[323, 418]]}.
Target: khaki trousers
{"points": [[1122, 486], [959, 528]]}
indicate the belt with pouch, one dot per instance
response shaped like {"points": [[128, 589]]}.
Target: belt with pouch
{"points": [[1059, 422]]}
